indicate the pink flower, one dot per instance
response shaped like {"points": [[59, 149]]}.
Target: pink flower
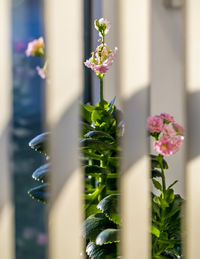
{"points": [[42, 239], [35, 48], [163, 146], [167, 147], [154, 124], [41, 72], [101, 60], [167, 118], [179, 129], [177, 143], [169, 131]]}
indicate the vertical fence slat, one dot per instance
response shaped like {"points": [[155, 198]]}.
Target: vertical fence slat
{"points": [[6, 207], [134, 86], [65, 54], [167, 70], [192, 22]]}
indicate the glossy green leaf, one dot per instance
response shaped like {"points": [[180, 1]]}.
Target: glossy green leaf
{"points": [[96, 144], [95, 169], [99, 135], [95, 224], [107, 236], [108, 251], [41, 174], [109, 206], [40, 142], [85, 127], [91, 155], [40, 193]]}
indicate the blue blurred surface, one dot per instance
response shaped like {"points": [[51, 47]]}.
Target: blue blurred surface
{"points": [[28, 113]]}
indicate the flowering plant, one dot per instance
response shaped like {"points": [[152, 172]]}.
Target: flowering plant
{"points": [[167, 206], [101, 130]]}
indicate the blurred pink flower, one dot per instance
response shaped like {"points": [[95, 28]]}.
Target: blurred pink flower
{"points": [[35, 48], [154, 124], [177, 143], [169, 131], [42, 239], [167, 118], [41, 72], [179, 129], [19, 46], [29, 233]]}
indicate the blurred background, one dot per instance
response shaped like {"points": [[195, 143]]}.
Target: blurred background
{"points": [[27, 122]]}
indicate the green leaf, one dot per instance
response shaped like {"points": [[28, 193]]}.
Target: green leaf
{"points": [[108, 251], [40, 193], [85, 127], [157, 184], [86, 112], [107, 236], [161, 257], [91, 198], [155, 162], [172, 184], [99, 135], [41, 174], [95, 169], [96, 115], [91, 155], [170, 195], [155, 231], [92, 209], [155, 208], [96, 144], [155, 173], [109, 206], [40, 142], [95, 224], [157, 199], [111, 104]]}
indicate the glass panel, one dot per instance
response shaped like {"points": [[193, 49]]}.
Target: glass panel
{"points": [[28, 113]]}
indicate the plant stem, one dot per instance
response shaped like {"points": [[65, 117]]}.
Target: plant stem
{"points": [[162, 175], [101, 90], [102, 181], [163, 181]]}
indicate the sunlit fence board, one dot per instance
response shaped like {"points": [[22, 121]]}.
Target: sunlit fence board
{"points": [[6, 208], [65, 47], [167, 71], [193, 114], [134, 47]]}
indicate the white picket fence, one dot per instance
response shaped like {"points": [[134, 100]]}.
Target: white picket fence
{"points": [[157, 69]]}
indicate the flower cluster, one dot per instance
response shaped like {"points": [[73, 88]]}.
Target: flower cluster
{"points": [[36, 48], [102, 58], [167, 133]]}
